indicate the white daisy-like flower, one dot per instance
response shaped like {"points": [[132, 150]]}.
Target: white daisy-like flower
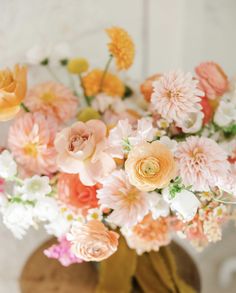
{"points": [[94, 214], [18, 218], [46, 209], [8, 167], [35, 187]]}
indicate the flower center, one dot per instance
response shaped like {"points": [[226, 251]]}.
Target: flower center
{"points": [[48, 97], [35, 186], [76, 142], [131, 196], [149, 167], [30, 149], [173, 94]]}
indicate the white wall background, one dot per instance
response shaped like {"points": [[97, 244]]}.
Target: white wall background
{"points": [[168, 34]]}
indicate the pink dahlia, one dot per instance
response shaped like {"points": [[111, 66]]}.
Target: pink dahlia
{"points": [[202, 162], [129, 204], [31, 140], [54, 99], [176, 95]]}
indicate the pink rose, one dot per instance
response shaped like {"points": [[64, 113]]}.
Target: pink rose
{"points": [[212, 79], [92, 241], [82, 149]]}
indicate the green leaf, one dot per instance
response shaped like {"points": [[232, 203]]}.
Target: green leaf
{"points": [[128, 92]]}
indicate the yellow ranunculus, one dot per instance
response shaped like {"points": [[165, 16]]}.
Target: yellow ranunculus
{"points": [[12, 91]]}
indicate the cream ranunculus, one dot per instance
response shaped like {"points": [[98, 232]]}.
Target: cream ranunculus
{"points": [[150, 166], [92, 241]]}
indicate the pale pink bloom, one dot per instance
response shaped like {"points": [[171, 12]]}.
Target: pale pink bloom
{"points": [[129, 205], [202, 162], [31, 140], [144, 132], [176, 95], [54, 99], [119, 138], [102, 102], [213, 80], [92, 241], [82, 148], [62, 252], [148, 235]]}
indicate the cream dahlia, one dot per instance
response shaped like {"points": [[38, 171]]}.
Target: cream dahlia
{"points": [[202, 162], [54, 99], [31, 140], [176, 95], [129, 204]]}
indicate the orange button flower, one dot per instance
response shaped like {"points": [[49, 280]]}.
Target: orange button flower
{"points": [[121, 47], [12, 91], [150, 166], [111, 84]]}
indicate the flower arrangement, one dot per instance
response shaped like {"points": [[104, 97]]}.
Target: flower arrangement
{"points": [[105, 158]]}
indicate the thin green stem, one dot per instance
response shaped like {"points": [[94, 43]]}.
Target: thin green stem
{"points": [[105, 72], [52, 73], [84, 91], [23, 106]]}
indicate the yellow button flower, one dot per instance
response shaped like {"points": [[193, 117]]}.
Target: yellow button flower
{"points": [[77, 65], [88, 114]]}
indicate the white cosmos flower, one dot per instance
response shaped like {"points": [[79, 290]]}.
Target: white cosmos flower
{"points": [[46, 209], [94, 214], [35, 187], [8, 167], [170, 143], [192, 123], [225, 114], [18, 218], [37, 54], [185, 203], [158, 206]]}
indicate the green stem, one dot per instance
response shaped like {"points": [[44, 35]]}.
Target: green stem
{"points": [[84, 91], [23, 106], [105, 72], [52, 74]]}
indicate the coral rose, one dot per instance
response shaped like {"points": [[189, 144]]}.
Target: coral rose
{"points": [[73, 192], [12, 91], [82, 149], [92, 241], [150, 166], [212, 79]]}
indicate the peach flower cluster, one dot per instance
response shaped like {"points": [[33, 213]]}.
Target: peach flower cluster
{"points": [[92, 241], [12, 91], [150, 166]]}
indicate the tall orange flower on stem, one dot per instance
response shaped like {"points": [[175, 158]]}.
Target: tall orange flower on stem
{"points": [[12, 91]]}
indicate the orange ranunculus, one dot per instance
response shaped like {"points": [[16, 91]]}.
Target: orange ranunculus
{"points": [[146, 87], [12, 91], [73, 192], [150, 166], [92, 241]]}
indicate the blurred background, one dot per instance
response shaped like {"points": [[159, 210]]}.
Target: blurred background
{"points": [[169, 34]]}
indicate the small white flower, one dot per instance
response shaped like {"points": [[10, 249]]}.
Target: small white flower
{"points": [[158, 206], [8, 167], [163, 123], [59, 52], [59, 226], [37, 54], [170, 143], [219, 211], [225, 114], [35, 187], [18, 218], [94, 214], [192, 123], [185, 203], [144, 132], [46, 209]]}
